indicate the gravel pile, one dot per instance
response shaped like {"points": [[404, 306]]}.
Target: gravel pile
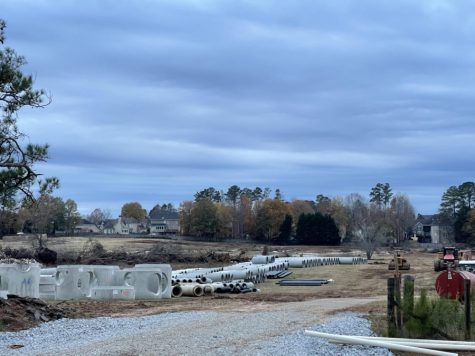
{"points": [[182, 334]]}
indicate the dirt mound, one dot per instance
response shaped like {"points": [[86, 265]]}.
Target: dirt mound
{"points": [[18, 313]]}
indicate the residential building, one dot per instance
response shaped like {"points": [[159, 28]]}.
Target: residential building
{"points": [[164, 222], [433, 229]]}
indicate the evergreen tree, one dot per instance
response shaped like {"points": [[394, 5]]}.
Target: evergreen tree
{"points": [[285, 230]]}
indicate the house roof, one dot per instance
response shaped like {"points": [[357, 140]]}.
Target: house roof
{"points": [[164, 215], [130, 221], [109, 224], [435, 219]]}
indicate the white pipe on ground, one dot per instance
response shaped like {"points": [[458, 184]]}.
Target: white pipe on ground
{"points": [[427, 345], [378, 343], [469, 344]]}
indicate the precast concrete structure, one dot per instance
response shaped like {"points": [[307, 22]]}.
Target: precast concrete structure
{"points": [[74, 281], [22, 279], [113, 292]]}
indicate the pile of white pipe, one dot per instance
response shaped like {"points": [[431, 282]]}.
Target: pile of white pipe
{"points": [[419, 346], [314, 261], [256, 270]]}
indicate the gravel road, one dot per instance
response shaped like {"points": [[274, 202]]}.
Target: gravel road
{"points": [[261, 330]]}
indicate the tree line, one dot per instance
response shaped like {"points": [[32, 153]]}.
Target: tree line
{"points": [[27, 202], [248, 213], [458, 209]]}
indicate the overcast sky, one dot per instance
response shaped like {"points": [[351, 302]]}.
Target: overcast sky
{"points": [[156, 100]]}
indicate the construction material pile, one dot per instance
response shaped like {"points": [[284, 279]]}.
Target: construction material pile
{"points": [[228, 279], [26, 278]]}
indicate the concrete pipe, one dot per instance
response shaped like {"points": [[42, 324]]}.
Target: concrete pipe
{"points": [[222, 289], [201, 280], [216, 276], [346, 260], [239, 274], [248, 285], [208, 289], [192, 290], [260, 260], [176, 291]]}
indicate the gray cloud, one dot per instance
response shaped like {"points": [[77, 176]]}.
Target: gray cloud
{"points": [[154, 101]]}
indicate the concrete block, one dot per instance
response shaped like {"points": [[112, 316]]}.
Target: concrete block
{"points": [[113, 292], [74, 281], [20, 279]]}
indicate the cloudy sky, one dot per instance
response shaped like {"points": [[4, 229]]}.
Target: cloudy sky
{"points": [[155, 100]]}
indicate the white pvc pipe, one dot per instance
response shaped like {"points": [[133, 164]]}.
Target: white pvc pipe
{"points": [[421, 341], [433, 346], [384, 344]]}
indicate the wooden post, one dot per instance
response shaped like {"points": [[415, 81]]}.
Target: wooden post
{"points": [[391, 318], [408, 302], [397, 302], [468, 301]]}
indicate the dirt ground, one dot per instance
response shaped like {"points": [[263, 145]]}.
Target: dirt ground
{"points": [[358, 281]]}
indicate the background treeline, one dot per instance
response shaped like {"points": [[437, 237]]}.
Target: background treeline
{"points": [[254, 213]]}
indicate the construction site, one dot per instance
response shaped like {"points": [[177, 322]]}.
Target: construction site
{"points": [[308, 285]]}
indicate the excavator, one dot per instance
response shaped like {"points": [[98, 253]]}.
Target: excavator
{"points": [[402, 264]]}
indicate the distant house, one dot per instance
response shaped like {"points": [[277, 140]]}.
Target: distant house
{"points": [[434, 229], [115, 227], [87, 227], [164, 222], [124, 226]]}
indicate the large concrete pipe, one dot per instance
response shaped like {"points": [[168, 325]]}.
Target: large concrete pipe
{"points": [[176, 291], [216, 276], [347, 260], [261, 259], [208, 289], [192, 290], [238, 273]]}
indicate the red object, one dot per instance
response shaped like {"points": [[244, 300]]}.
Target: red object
{"points": [[449, 257], [449, 284]]}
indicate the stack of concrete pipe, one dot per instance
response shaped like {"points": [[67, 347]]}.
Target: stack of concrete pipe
{"points": [[314, 261]]}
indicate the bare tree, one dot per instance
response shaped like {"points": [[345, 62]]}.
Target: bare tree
{"points": [[401, 217], [367, 223]]}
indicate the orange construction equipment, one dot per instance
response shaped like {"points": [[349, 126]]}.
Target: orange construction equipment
{"points": [[402, 263]]}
